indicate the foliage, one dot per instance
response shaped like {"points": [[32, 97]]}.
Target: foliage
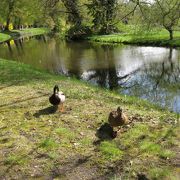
{"points": [[103, 13], [76, 18], [20, 12], [167, 14], [157, 13], [73, 12], [78, 32]]}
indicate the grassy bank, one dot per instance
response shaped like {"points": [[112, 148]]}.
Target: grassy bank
{"points": [[30, 31], [37, 143], [25, 32], [4, 37], [154, 39]]}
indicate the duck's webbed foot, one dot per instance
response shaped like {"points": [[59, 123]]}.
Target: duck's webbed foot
{"points": [[61, 107]]}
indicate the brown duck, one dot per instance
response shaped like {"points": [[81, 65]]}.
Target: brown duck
{"points": [[117, 118]]}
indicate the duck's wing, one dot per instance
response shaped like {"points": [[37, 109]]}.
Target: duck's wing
{"points": [[55, 100]]}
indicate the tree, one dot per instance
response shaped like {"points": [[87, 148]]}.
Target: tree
{"points": [[74, 16], [27, 12], [20, 11], [167, 14], [103, 13], [7, 10]]}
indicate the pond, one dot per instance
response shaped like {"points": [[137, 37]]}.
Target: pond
{"points": [[151, 73]]}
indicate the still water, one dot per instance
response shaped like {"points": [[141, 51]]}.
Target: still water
{"points": [[151, 73]]}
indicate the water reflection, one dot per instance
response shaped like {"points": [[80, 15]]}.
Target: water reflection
{"points": [[151, 73], [106, 76], [159, 81]]}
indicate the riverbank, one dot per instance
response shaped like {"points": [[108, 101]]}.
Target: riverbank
{"points": [[37, 143], [152, 39], [4, 36]]}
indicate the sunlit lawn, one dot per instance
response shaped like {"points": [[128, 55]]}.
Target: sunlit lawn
{"points": [[30, 31], [4, 37], [156, 38]]}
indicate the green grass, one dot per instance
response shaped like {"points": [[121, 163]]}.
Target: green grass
{"points": [[31, 31], [160, 38], [65, 134], [158, 173], [25, 32], [48, 143], [132, 136], [15, 160], [4, 37], [56, 145], [110, 151], [152, 148]]}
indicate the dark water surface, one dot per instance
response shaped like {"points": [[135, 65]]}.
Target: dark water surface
{"points": [[151, 73]]}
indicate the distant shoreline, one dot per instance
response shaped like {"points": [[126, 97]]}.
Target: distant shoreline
{"points": [[6, 35], [157, 39]]}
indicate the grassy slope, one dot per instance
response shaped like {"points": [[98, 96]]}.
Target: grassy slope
{"points": [[37, 143], [155, 39], [4, 37], [31, 31]]}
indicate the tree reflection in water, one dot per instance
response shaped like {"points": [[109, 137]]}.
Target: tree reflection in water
{"points": [[108, 77], [159, 82]]}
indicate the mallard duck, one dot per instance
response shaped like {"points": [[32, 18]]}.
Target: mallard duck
{"points": [[57, 98], [117, 118]]}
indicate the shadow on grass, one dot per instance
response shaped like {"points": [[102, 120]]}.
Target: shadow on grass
{"points": [[74, 162], [46, 111], [105, 132], [22, 100]]}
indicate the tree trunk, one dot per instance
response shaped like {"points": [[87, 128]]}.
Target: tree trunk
{"points": [[10, 9], [170, 34], [7, 24]]}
